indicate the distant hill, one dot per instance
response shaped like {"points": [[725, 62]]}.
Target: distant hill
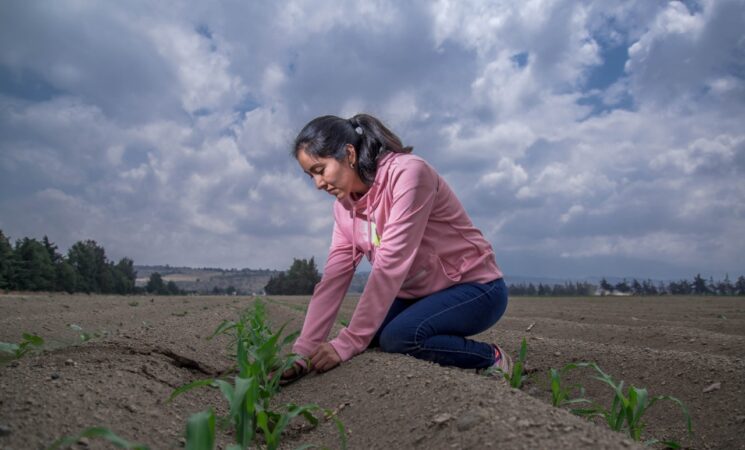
{"points": [[252, 281], [205, 279]]}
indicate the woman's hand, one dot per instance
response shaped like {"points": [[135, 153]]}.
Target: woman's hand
{"points": [[324, 358], [293, 373]]}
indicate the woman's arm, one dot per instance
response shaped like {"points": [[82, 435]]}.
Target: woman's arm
{"points": [[328, 293], [414, 191]]}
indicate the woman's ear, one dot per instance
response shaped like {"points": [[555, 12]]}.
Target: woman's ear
{"points": [[351, 154]]}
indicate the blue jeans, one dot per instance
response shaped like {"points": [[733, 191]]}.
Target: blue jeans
{"points": [[434, 328]]}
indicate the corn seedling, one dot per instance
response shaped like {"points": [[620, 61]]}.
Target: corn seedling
{"points": [[16, 351], [627, 409], [515, 377], [85, 336], [560, 393], [260, 366], [200, 431]]}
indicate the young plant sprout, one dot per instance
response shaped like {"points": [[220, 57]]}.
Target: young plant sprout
{"points": [[260, 366], [628, 408], [515, 377], [16, 351], [561, 394]]}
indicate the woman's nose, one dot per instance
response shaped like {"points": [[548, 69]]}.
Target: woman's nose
{"points": [[319, 182]]}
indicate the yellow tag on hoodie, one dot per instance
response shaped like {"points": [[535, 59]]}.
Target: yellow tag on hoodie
{"points": [[375, 238]]}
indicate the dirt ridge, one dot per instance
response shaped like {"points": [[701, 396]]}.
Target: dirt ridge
{"points": [[151, 345]]}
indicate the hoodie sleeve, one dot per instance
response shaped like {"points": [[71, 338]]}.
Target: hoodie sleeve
{"points": [[414, 190], [328, 293]]}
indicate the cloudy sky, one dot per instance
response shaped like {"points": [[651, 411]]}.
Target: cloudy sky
{"points": [[585, 138]]}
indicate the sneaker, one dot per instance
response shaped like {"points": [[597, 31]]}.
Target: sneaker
{"points": [[504, 363], [502, 366]]}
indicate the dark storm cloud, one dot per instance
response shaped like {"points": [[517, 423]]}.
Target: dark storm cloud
{"points": [[582, 138]]}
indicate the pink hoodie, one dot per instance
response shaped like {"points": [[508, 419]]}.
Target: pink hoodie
{"points": [[419, 241]]}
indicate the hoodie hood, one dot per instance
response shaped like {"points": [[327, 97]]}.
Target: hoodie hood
{"points": [[364, 207], [371, 198]]}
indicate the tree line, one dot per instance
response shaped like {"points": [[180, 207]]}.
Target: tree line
{"points": [[33, 265], [301, 279], [697, 286]]}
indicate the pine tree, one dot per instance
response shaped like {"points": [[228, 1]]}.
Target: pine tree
{"points": [[725, 287], [623, 286], [34, 270], [605, 286], [155, 284], [124, 276], [636, 287], [6, 263], [300, 279], [699, 285], [740, 285], [89, 261]]}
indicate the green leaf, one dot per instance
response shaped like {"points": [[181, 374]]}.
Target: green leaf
{"points": [[342, 433], [200, 431], [591, 412], [8, 347], [682, 406], [187, 387], [33, 339], [263, 422], [523, 350], [223, 328], [227, 390], [242, 386], [639, 401]]}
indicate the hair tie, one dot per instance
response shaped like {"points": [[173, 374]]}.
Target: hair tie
{"points": [[358, 130]]}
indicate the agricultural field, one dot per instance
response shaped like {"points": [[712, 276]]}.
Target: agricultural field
{"points": [[114, 361]]}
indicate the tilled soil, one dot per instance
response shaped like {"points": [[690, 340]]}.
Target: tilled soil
{"points": [[691, 348]]}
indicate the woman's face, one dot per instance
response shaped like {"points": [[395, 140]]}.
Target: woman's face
{"points": [[337, 178]]}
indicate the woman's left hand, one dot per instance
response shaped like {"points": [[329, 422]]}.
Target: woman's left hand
{"points": [[324, 358]]}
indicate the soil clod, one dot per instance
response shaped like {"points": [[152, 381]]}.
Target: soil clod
{"points": [[442, 419]]}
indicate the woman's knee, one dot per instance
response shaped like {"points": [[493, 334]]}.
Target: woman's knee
{"points": [[396, 340]]}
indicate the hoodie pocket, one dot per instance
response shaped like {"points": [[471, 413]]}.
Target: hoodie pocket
{"points": [[450, 270], [417, 277]]}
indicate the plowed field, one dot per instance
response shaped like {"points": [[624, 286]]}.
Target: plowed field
{"points": [[692, 348]]}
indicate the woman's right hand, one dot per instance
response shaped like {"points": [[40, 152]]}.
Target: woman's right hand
{"points": [[294, 373]]}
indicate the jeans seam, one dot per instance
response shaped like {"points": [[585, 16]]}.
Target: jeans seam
{"points": [[444, 350], [416, 332]]}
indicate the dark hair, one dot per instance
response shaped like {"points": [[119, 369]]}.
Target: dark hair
{"points": [[328, 136]]}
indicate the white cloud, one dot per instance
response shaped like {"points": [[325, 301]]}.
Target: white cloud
{"points": [[203, 71], [508, 173], [150, 127]]}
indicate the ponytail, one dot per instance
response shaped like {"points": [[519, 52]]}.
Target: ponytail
{"points": [[375, 140], [328, 136]]}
